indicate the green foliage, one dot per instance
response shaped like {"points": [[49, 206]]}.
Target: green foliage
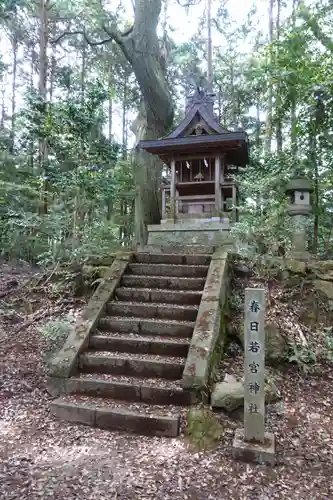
{"points": [[83, 178], [203, 428], [302, 356]]}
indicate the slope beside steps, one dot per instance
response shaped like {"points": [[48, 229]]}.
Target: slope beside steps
{"points": [[130, 376]]}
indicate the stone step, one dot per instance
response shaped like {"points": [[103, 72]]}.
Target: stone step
{"points": [[137, 365], [181, 249], [137, 344], [152, 310], [163, 282], [168, 270], [147, 390], [172, 258], [117, 415], [147, 326], [186, 297]]}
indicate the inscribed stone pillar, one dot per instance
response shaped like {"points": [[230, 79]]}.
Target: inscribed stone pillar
{"points": [[252, 443], [254, 365]]}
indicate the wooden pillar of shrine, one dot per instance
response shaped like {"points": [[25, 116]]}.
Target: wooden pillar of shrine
{"points": [[173, 189], [163, 203], [218, 196], [234, 203]]}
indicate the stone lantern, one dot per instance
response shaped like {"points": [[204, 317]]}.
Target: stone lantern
{"points": [[299, 209]]}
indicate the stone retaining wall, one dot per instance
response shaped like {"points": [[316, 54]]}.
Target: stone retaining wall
{"points": [[64, 364], [208, 328]]}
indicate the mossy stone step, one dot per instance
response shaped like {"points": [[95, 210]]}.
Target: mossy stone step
{"points": [[186, 297], [154, 391], [167, 270], [147, 326], [136, 365], [172, 258], [113, 415], [137, 344], [152, 310], [163, 282]]}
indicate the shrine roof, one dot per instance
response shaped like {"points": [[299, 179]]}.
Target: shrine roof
{"points": [[198, 133]]}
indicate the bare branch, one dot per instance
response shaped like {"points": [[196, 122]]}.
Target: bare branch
{"points": [[189, 3], [112, 36]]}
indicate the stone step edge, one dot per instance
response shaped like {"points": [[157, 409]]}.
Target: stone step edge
{"points": [[167, 360], [159, 290], [116, 418], [137, 337], [163, 277], [155, 264], [150, 320], [152, 304], [136, 389], [139, 344]]}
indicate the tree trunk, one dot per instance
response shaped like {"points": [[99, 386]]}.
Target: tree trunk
{"points": [[268, 138], [209, 47], [279, 138], [83, 68], [14, 49], [124, 117], [141, 49], [293, 116], [3, 94], [110, 103], [43, 146]]}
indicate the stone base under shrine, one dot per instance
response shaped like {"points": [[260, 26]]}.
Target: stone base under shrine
{"points": [[189, 232], [259, 453]]}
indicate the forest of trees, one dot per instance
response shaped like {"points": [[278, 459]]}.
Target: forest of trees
{"points": [[74, 74]]}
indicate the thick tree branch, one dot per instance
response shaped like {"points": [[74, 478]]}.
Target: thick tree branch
{"points": [[58, 38]]}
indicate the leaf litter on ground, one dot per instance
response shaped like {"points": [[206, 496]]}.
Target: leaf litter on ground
{"points": [[41, 457]]}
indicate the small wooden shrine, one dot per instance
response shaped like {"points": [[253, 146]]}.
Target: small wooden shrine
{"points": [[201, 158]]}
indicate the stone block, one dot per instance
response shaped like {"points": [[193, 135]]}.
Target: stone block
{"points": [[208, 324], [217, 281], [119, 325], [166, 328], [66, 361], [323, 270], [123, 419], [205, 334], [295, 266], [325, 287], [259, 453], [228, 395], [73, 412]]}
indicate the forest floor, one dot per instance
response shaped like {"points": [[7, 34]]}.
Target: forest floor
{"points": [[41, 457]]}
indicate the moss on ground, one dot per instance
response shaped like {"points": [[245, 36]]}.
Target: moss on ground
{"points": [[203, 428]]}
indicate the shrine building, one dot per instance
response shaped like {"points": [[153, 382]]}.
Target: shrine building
{"points": [[199, 194]]}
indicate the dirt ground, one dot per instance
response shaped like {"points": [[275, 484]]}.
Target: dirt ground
{"points": [[41, 457]]}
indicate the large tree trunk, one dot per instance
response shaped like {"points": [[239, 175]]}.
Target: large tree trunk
{"points": [[43, 63], [140, 46], [268, 138], [14, 75], [279, 137], [293, 115], [141, 49]]}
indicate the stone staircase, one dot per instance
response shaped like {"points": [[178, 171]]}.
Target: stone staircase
{"points": [[130, 375]]}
